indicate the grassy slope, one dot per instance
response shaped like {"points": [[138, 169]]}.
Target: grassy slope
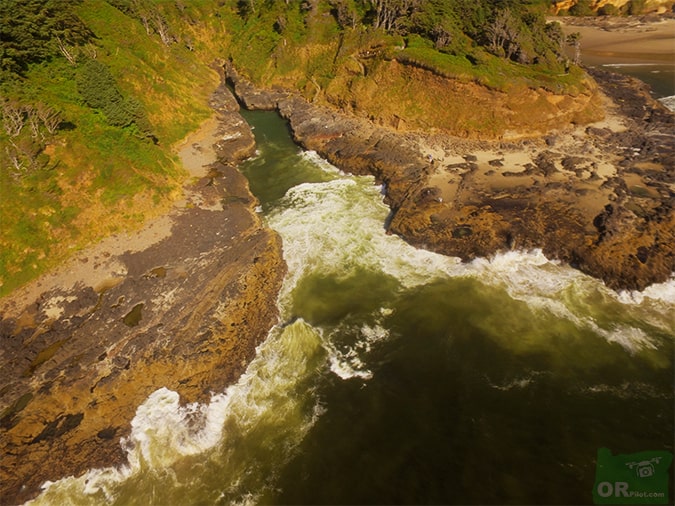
{"points": [[101, 179], [368, 73]]}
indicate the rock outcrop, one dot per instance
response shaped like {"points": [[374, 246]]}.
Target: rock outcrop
{"points": [[649, 5], [598, 196], [184, 312]]}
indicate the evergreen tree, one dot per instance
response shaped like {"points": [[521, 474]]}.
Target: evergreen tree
{"points": [[32, 31], [99, 90]]}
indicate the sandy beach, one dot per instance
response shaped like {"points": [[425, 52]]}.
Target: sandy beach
{"points": [[624, 40]]}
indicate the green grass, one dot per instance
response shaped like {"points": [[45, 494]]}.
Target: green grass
{"points": [[29, 212], [92, 164], [171, 82], [488, 70]]}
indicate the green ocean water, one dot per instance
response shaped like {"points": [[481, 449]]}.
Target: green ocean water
{"points": [[398, 376]]}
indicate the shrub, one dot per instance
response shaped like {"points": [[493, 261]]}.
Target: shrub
{"points": [[609, 10], [581, 8], [97, 86], [635, 7]]}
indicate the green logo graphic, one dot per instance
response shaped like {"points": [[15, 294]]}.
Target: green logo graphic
{"points": [[638, 478]]}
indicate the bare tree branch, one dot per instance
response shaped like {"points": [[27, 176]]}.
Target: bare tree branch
{"points": [[18, 169], [162, 28], [34, 122], [67, 51], [13, 117], [91, 50], [51, 118], [390, 13], [574, 39], [504, 33]]}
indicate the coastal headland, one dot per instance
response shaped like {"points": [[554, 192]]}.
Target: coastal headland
{"points": [[183, 302], [597, 196]]}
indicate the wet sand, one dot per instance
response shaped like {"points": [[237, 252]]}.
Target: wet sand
{"points": [[610, 40]]}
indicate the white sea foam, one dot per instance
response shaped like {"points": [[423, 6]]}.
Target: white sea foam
{"points": [[348, 366], [620, 65], [663, 292], [266, 398], [669, 102], [337, 226], [162, 432], [516, 383], [350, 360], [630, 338], [627, 390], [334, 228], [322, 163]]}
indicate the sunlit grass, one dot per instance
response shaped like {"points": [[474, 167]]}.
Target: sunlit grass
{"points": [[98, 178]]}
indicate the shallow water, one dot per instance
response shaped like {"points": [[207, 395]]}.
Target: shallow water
{"points": [[660, 77], [658, 73]]}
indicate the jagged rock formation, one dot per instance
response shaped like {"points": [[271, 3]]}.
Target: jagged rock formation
{"points": [[185, 313], [598, 197]]}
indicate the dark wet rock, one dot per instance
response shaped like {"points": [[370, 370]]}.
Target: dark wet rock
{"points": [[540, 209], [546, 163], [572, 162], [248, 95], [428, 195]]}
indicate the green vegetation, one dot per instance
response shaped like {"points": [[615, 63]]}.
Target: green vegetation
{"points": [[94, 93], [581, 8], [91, 104], [589, 8], [307, 44], [33, 31]]}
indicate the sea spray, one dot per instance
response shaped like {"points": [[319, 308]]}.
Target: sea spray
{"points": [[335, 228], [669, 102]]}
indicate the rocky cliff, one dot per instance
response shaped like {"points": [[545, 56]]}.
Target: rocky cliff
{"points": [[183, 306], [186, 308]]}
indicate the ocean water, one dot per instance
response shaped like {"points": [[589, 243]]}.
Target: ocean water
{"points": [[659, 74], [399, 376]]}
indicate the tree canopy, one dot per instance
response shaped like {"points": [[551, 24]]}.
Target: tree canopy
{"points": [[32, 31]]}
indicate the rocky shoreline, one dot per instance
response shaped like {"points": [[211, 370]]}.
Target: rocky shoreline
{"points": [[181, 304], [186, 307], [598, 197]]}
